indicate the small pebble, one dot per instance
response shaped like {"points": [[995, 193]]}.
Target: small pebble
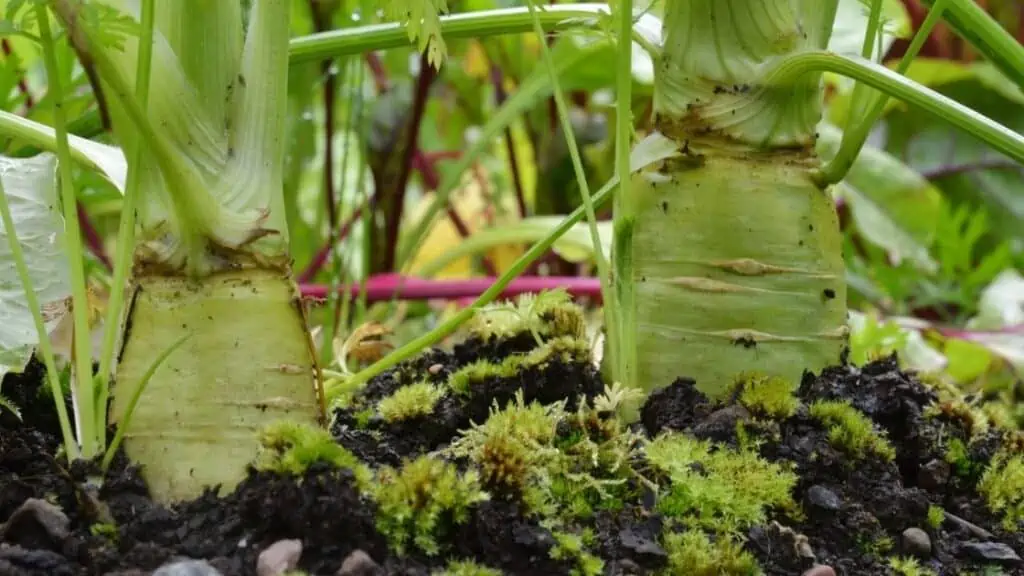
{"points": [[278, 558], [916, 542], [359, 563], [187, 567], [992, 552], [820, 570], [934, 475], [36, 524], [823, 498], [435, 369]]}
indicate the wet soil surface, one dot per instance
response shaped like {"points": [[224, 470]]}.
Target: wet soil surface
{"points": [[857, 513]]}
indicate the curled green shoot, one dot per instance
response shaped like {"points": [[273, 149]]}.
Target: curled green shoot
{"points": [[999, 137], [854, 138], [90, 437]]}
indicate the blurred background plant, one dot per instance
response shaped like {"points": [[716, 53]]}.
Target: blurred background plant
{"points": [[384, 142]]}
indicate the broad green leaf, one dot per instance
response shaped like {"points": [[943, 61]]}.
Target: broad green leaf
{"points": [[893, 206], [967, 360], [30, 189], [966, 170]]}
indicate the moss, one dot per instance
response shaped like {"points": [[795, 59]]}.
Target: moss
{"points": [[104, 530], [907, 566], [416, 502], [466, 568], [564, 348], [694, 554], [973, 419], [548, 314], [1002, 485], [936, 516], [342, 391], [571, 547], [553, 460], [410, 401], [719, 489], [878, 547], [771, 397], [850, 430], [290, 448], [513, 449]]}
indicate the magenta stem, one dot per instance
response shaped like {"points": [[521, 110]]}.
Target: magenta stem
{"points": [[385, 286], [92, 238]]}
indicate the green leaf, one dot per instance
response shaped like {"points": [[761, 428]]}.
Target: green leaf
{"points": [[967, 360], [967, 171], [30, 187], [892, 205], [422, 19]]}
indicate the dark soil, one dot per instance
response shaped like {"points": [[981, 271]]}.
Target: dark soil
{"points": [[855, 511]]}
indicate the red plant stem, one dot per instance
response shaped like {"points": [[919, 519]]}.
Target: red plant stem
{"points": [[92, 238], [380, 74], [393, 219], [322, 22], [387, 286], [320, 258], [500, 96], [22, 83]]}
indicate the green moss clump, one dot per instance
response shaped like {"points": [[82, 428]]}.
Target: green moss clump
{"points": [[548, 314], [692, 553], [290, 448], [564, 348], [416, 501], [410, 401], [973, 419], [571, 547], [513, 449], [936, 516], [850, 430], [719, 489], [1002, 485], [907, 566], [466, 568], [771, 397]]}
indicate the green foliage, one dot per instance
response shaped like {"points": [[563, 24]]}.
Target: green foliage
{"points": [[419, 500], [936, 516], [967, 262], [9, 405], [772, 397], [850, 430], [571, 547], [1002, 485], [423, 24], [290, 448], [466, 568], [410, 401], [908, 566], [732, 491], [693, 553], [875, 340], [547, 314], [563, 348]]}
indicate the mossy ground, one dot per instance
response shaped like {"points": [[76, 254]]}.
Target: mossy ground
{"points": [[525, 470]]}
